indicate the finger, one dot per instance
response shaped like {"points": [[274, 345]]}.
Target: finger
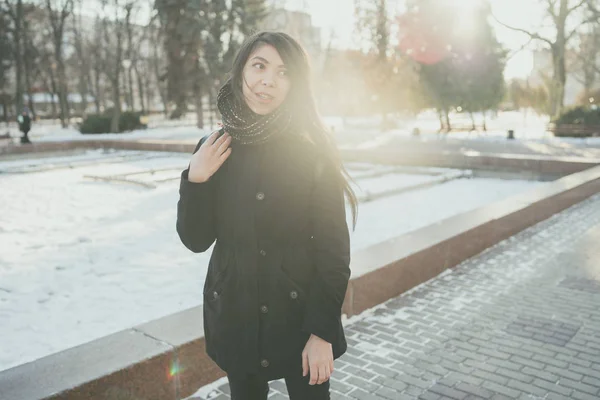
{"points": [[304, 364], [224, 145], [220, 140], [327, 373], [314, 374], [331, 367], [322, 374], [224, 156], [211, 139]]}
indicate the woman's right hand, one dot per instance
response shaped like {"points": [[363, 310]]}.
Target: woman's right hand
{"points": [[209, 157]]}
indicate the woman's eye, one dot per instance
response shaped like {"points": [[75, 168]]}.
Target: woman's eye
{"points": [[258, 65], [283, 73]]}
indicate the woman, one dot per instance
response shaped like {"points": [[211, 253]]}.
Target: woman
{"points": [[269, 189]]}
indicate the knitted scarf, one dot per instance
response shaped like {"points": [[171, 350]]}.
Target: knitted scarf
{"points": [[244, 125]]}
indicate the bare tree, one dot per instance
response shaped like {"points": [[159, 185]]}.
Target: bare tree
{"points": [[97, 65], [562, 14], [158, 66], [14, 9], [133, 54], [113, 32], [82, 53], [585, 65], [30, 61], [57, 17], [6, 58]]}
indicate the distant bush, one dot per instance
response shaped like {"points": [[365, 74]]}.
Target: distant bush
{"points": [[581, 121], [100, 123], [579, 116]]}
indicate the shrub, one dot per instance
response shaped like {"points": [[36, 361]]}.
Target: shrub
{"points": [[579, 116], [100, 123], [581, 121]]}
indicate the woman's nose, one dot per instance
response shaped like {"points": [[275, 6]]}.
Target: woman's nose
{"points": [[268, 81]]}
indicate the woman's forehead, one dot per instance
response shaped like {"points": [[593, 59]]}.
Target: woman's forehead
{"points": [[268, 53]]}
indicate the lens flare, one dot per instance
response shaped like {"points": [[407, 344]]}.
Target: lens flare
{"points": [[174, 370]]}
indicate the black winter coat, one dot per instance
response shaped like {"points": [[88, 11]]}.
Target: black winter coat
{"points": [[280, 266]]}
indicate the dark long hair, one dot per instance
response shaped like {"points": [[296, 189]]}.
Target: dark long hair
{"points": [[300, 99]]}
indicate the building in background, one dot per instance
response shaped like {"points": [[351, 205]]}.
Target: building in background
{"points": [[297, 23], [542, 72]]}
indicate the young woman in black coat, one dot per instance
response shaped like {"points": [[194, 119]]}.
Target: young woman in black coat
{"points": [[268, 190]]}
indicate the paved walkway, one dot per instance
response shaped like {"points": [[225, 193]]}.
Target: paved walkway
{"points": [[519, 321]]}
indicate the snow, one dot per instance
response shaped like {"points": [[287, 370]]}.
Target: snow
{"points": [[393, 216], [83, 258], [528, 127]]}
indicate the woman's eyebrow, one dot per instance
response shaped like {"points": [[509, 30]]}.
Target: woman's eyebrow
{"points": [[266, 61]]}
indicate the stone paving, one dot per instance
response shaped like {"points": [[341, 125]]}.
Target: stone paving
{"points": [[519, 321]]}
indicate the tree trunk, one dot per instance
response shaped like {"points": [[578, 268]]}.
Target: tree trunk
{"points": [[97, 95], [62, 92], [83, 65], [199, 110], [180, 107], [18, 56], [114, 124], [447, 118], [28, 69], [165, 102], [441, 118], [484, 121], [83, 93], [125, 89], [53, 93], [472, 121], [140, 86], [211, 114], [130, 88], [559, 78]]}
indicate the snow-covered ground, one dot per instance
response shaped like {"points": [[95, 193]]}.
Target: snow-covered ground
{"points": [[82, 258], [527, 126]]}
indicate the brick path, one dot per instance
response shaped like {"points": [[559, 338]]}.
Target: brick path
{"points": [[519, 321]]}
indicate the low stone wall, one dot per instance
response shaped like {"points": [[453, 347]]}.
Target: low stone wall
{"points": [[165, 359], [531, 164]]}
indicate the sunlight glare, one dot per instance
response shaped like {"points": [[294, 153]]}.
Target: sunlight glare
{"points": [[467, 10]]}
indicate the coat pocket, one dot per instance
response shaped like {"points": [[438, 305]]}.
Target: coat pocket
{"points": [[216, 275], [293, 296]]}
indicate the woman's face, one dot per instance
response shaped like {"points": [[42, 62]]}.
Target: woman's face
{"points": [[266, 82]]}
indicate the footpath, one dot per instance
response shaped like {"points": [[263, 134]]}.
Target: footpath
{"points": [[518, 321]]}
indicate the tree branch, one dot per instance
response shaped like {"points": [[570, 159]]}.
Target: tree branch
{"points": [[530, 34], [592, 18], [581, 3], [551, 5], [9, 11], [515, 52]]}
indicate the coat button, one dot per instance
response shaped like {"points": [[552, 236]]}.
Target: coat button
{"points": [[294, 294], [263, 253], [260, 196], [264, 363], [264, 309], [215, 295]]}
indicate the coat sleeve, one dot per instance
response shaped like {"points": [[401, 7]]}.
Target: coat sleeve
{"points": [[196, 212], [331, 254]]}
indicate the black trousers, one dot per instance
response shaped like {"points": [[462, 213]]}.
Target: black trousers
{"points": [[251, 387]]}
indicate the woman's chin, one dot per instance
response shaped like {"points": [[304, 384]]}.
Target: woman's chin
{"points": [[263, 110]]}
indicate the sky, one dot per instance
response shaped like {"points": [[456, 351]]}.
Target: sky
{"points": [[338, 16]]}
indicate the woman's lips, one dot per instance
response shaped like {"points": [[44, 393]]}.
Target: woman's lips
{"points": [[264, 98]]}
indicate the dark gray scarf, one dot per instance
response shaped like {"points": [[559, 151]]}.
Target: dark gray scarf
{"points": [[244, 125]]}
